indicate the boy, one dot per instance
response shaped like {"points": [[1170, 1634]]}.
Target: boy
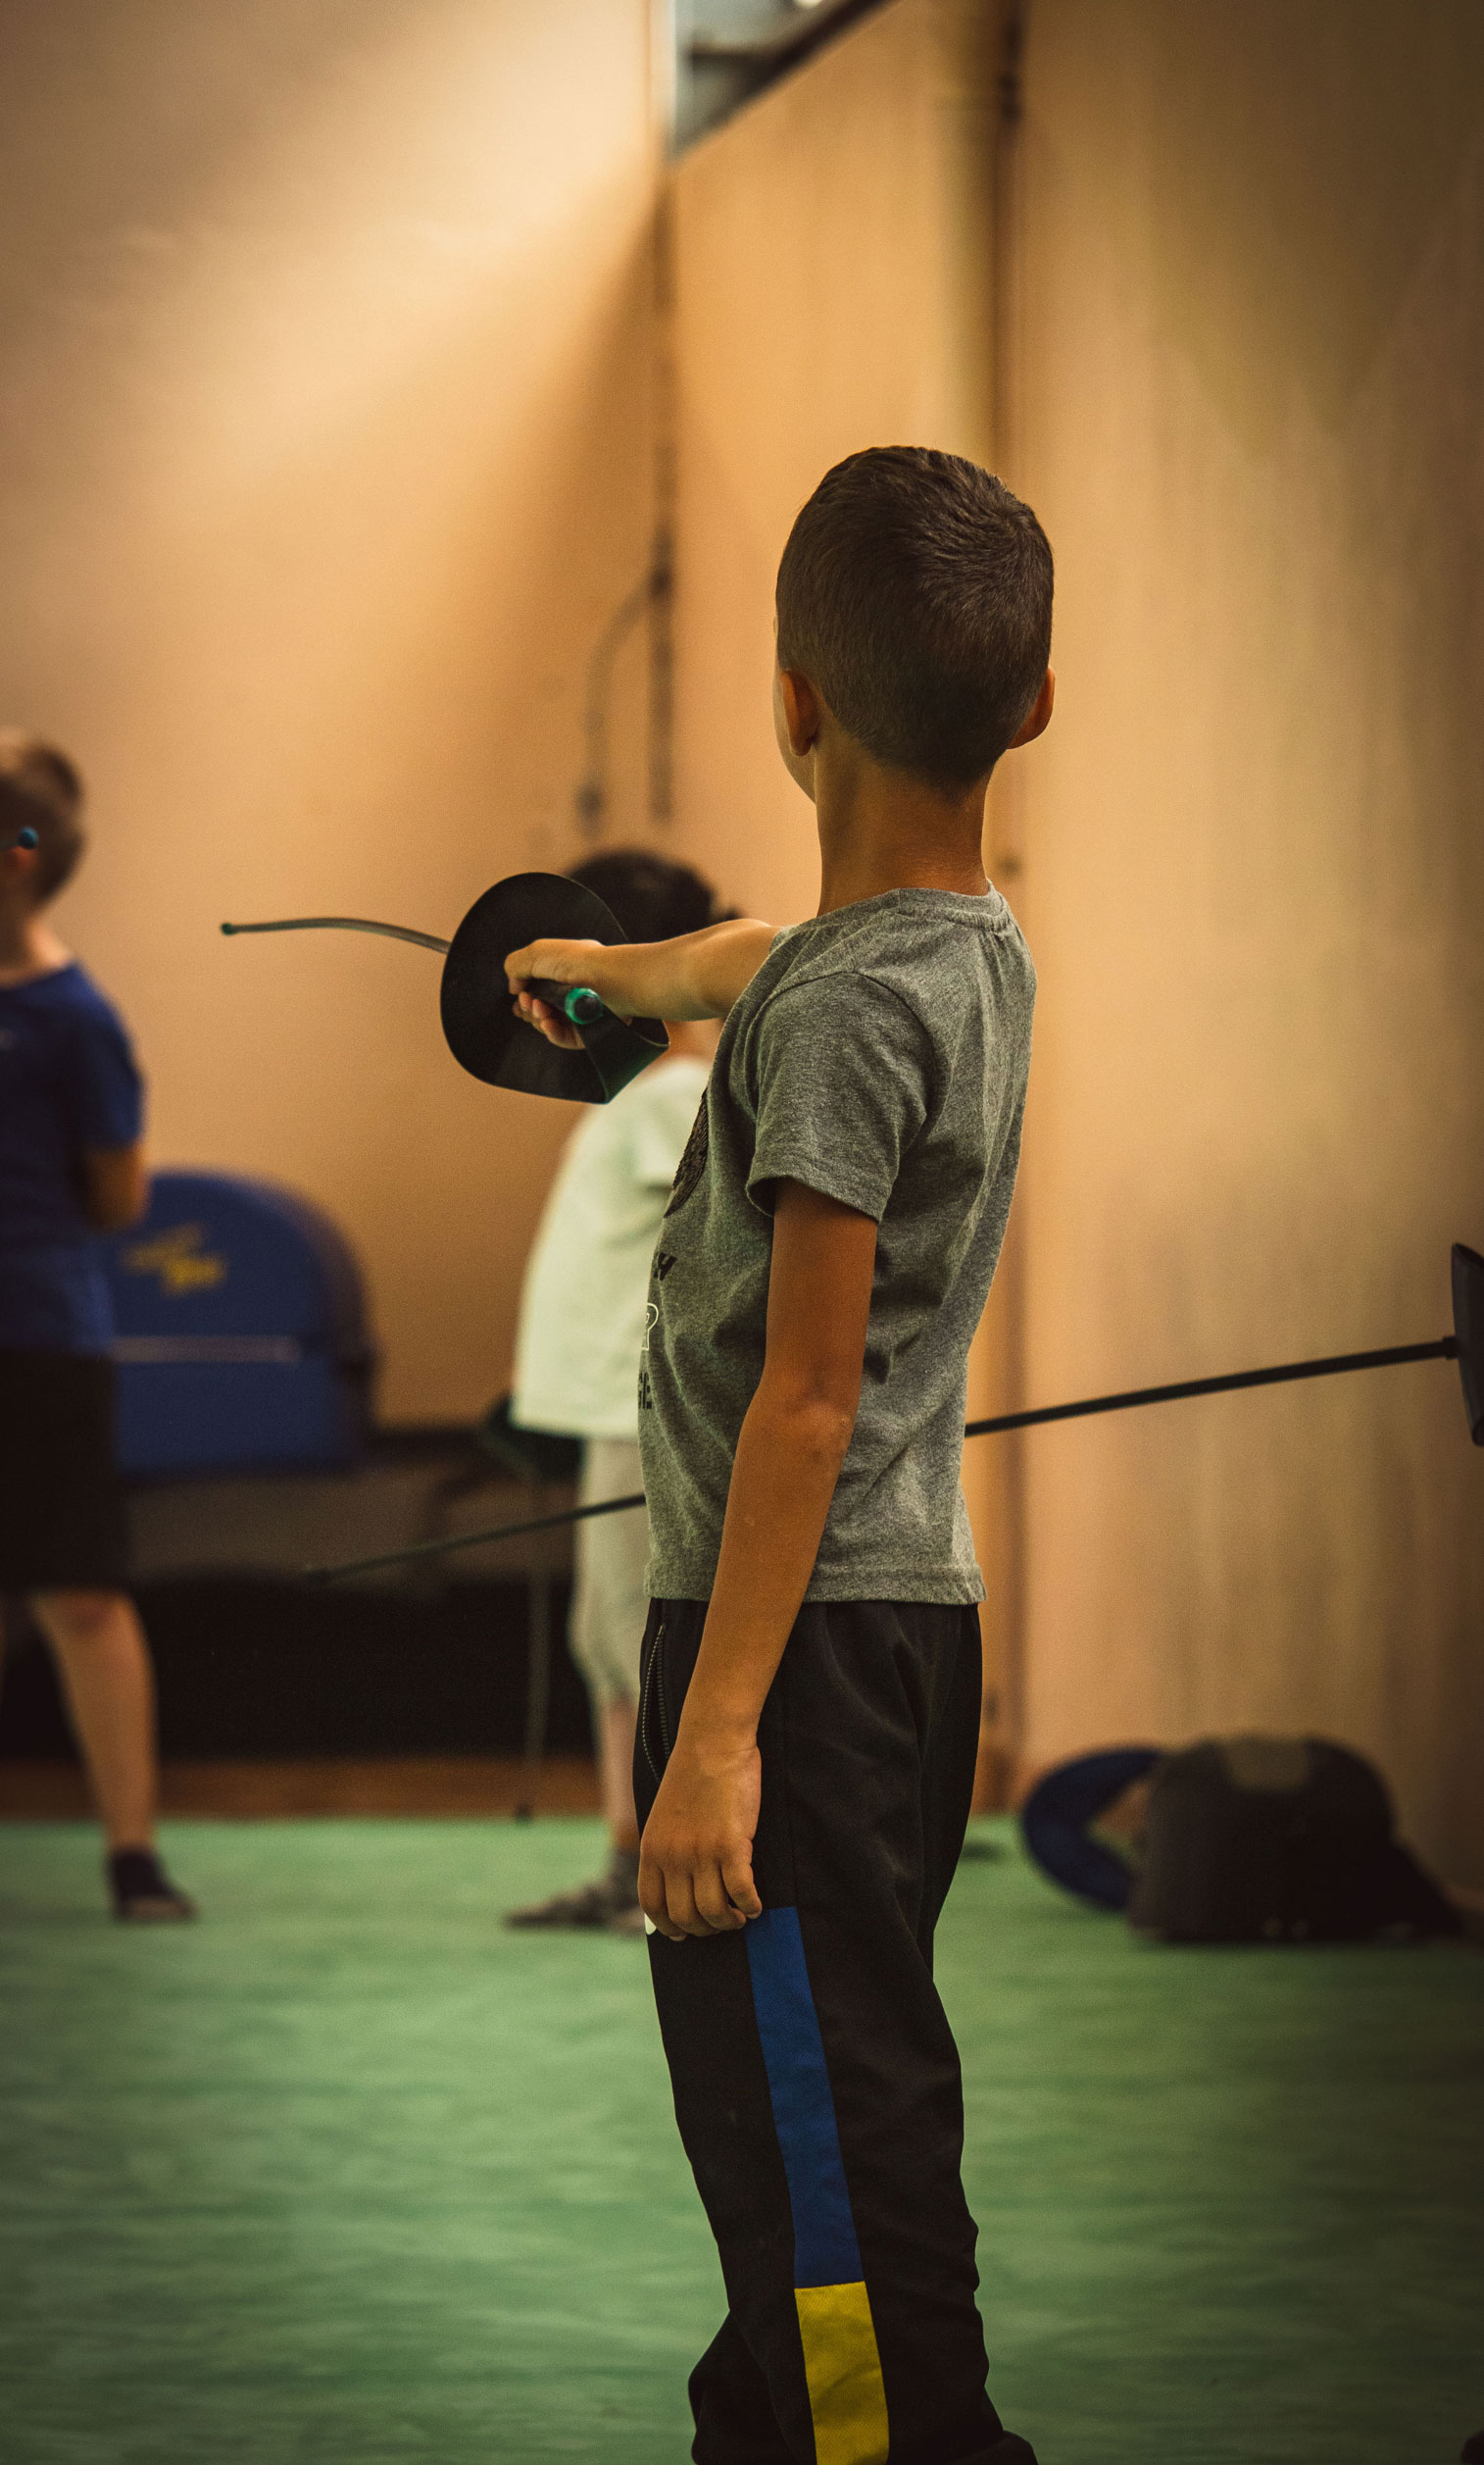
{"points": [[810, 1689], [583, 1314], [71, 1166]]}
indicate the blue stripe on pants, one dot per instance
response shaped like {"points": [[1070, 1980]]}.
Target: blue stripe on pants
{"points": [[825, 2249]]}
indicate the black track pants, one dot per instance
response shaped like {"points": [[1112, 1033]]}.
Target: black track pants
{"points": [[815, 2077]]}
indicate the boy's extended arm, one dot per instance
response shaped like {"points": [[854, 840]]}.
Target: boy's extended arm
{"points": [[697, 976], [695, 1860]]}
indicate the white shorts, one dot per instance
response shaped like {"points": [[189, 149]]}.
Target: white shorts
{"points": [[610, 1602]]}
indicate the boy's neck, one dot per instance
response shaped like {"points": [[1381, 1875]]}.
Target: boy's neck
{"points": [[881, 831], [28, 945]]}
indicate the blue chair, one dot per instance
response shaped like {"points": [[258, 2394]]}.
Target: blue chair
{"points": [[242, 1340]]}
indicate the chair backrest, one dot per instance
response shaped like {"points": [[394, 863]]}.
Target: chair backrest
{"points": [[242, 1338]]}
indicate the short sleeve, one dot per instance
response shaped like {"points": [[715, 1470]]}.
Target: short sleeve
{"points": [[107, 1090], [843, 1074], [662, 1123]]}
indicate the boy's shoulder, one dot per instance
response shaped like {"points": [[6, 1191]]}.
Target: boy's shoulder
{"points": [[932, 950]]}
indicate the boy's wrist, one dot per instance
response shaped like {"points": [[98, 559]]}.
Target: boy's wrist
{"points": [[716, 1731], [616, 976], [625, 969], [613, 973]]}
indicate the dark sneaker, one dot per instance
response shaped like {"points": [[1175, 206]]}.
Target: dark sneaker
{"points": [[142, 1891], [608, 1906]]}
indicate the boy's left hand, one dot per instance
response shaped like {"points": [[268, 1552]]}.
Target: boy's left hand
{"points": [[695, 1859]]}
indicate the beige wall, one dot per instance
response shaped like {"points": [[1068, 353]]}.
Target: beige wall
{"points": [[1245, 342], [1252, 344], [326, 406], [832, 292], [324, 396], [832, 284]]}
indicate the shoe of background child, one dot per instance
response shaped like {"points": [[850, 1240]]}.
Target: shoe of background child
{"points": [[142, 1891], [608, 1904]]}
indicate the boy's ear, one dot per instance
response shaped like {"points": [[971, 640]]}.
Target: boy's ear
{"points": [[799, 709], [1038, 717], [18, 864]]}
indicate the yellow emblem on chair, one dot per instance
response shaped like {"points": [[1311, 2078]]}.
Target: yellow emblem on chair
{"points": [[180, 1258]]}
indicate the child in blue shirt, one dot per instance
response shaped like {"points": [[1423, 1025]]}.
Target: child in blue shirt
{"points": [[72, 1165]]}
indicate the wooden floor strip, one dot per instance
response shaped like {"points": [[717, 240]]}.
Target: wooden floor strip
{"points": [[414, 1784]]}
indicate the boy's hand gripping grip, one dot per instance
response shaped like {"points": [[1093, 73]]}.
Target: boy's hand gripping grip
{"points": [[579, 1004]]}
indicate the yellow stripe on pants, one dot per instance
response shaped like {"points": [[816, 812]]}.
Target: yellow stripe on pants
{"points": [[844, 2373]]}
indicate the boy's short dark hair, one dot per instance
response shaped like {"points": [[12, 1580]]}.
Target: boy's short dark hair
{"points": [[652, 897], [41, 789], [916, 592]]}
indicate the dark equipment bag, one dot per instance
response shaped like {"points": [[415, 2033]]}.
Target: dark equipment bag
{"points": [[1277, 1840]]}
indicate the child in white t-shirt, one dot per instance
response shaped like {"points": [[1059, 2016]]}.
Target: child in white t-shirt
{"points": [[584, 1310]]}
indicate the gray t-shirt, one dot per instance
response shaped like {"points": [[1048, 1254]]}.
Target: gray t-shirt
{"points": [[878, 1055]]}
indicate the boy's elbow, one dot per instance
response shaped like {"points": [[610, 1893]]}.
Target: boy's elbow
{"points": [[725, 959], [814, 1422]]}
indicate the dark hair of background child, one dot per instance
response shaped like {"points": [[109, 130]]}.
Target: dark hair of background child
{"points": [[41, 789], [652, 897]]}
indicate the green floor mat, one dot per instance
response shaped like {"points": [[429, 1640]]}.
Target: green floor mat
{"points": [[348, 2175]]}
